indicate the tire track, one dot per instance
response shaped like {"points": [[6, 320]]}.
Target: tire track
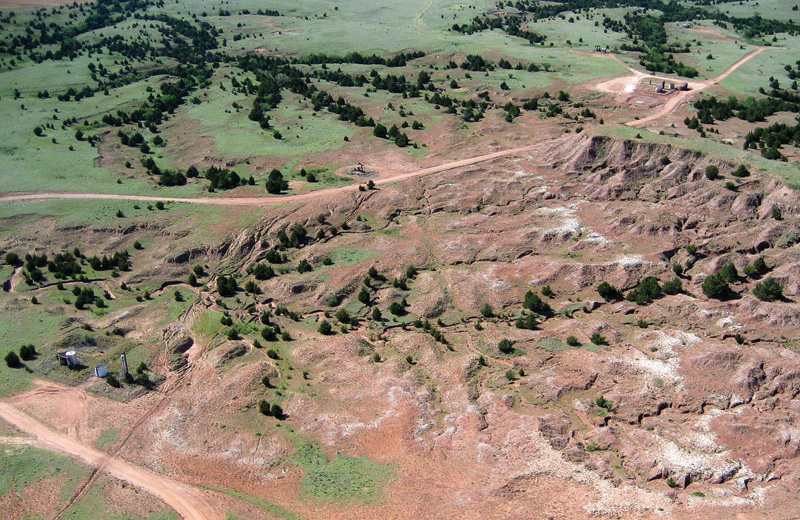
{"points": [[267, 201], [188, 501]]}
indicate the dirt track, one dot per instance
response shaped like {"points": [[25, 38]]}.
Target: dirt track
{"points": [[670, 106], [695, 87], [267, 200], [187, 501]]}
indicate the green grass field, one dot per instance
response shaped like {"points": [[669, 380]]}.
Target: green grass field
{"points": [[96, 500], [345, 256], [22, 466], [342, 478], [755, 74]]}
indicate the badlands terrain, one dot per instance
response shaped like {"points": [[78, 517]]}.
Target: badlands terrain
{"points": [[537, 277]]}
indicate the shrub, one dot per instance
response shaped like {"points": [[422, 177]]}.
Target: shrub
{"points": [[715, 286], [602, 402], [729, 273], [264, 408], [535, 304], [265, 381], [273, 354], [325, 328], [527, 322], [757, 268], [343, 316], [487, 311], [712, 172], [608, 292], [263, 271], [505, 346], [376, 357], [769, 290], [673, 286], [27, 352], [598, 339], [277, 411], [364, 296], [510, 375], [143, 379], [112, 381], [269, 334], [12, 360], [547, 292], [397, 309], [741, 171], [572, 341], [646, 291], [304, 266]]}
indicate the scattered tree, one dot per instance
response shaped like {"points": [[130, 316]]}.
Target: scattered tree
{"points": [[364, 296], [715, 286], [12, 360], [729, 273], [608, 292], [769, 290], [535, 304], [325, 328], [505, 346]]}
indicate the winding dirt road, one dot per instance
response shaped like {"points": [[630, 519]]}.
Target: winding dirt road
{"points": [[670, 106], [187, 501], [694, 87], [266, 200]]}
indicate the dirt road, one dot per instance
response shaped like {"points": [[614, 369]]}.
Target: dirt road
{"points": [[267, 200], [187, 501], [694, 87]]}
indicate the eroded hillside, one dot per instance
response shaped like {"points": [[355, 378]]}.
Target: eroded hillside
{"points": [[680, 405]]}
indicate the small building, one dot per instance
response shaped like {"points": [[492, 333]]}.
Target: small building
{"points": [[68, 358]]}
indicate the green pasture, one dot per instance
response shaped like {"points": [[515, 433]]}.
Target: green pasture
{"points": [[22, 466], [754, 74], [96, 500], [341, 478]]}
